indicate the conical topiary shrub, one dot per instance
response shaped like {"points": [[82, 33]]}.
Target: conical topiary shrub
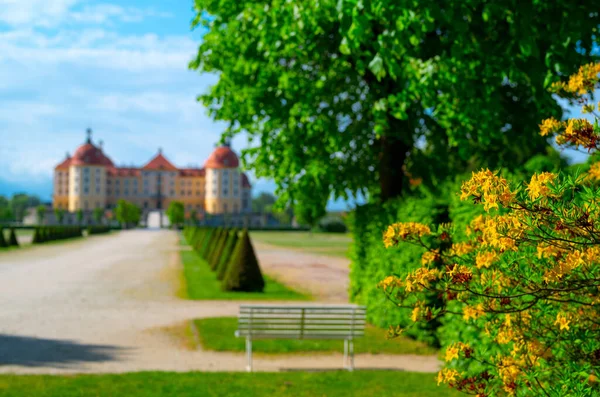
{"points": [[220, 244], [208, 242], [203, 241], [3, 243], [213, 245], [12, 240], [226, 254], [36, 236], [243, 273]]}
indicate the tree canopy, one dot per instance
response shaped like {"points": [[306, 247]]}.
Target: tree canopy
{"points": [[127, 213], [176, 213], [358, 94]]}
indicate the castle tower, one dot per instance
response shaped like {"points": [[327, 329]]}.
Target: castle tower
{"points": [[223, 182], [87, 177]]}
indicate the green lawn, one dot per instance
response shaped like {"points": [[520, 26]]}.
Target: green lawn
{"points": [[332, 244], [202, 283], [216, 333], [240, 384]]}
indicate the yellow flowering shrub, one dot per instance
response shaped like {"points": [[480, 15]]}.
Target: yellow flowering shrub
{"points": [[527, 279]]}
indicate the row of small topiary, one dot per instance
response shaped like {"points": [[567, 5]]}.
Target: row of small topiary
{"points": [[43, 234], [230, 254], [12, 239], [98, 229]]}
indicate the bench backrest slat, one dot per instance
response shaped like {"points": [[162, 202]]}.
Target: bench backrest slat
{"points": [[302, 322]]}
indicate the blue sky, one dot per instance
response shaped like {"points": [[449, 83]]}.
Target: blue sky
{"points": [[119, 67]]}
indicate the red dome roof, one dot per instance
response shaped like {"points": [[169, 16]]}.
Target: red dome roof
{"points": [[88, 154], [222, 157]]}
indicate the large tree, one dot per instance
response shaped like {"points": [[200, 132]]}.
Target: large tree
{"points": [[357, 94]]}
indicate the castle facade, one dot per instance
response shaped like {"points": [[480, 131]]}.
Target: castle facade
{"points": [[89, 179]]}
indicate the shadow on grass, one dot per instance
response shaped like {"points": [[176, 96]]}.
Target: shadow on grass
{"points": [[37, 352]]}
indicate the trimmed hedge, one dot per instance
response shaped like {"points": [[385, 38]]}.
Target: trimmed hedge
{"points": [[3, 243], [12, 240], [332, 225], [243, 272], [220, 245], [226, 254], [43, 234], [99, 229]]}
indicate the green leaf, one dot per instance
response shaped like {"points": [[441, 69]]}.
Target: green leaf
{"points": [[344, 48], [376, 66]]}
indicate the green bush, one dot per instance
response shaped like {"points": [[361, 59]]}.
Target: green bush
{"points": [[225, 257], [12, 241], [243, 273], [332, 225], [3, 243], [98, 229]]}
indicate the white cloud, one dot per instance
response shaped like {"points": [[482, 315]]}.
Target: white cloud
{"points": [[34, 12], [97, 48], [52, 13]]}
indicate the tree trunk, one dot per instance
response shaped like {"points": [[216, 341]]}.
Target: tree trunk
{"points": [[392, 156]]}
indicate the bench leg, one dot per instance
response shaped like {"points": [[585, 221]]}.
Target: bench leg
{"points": [[249, 354], [351, 355], [346, 351]]}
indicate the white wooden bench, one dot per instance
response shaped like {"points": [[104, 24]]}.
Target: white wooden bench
{"points": [[344, 322]]}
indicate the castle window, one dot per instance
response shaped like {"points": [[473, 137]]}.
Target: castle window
{"points": [[224, 207], [86, 190], [225, 192]]}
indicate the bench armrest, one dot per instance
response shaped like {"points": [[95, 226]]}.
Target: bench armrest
{"points": [[237, 334]]}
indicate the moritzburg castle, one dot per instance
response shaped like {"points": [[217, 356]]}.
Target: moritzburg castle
{"points": [[89, 180]]}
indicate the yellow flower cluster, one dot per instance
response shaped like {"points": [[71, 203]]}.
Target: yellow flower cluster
{"points": [[509, 371], [538, 186], [430, 256], [402, 230], [485, 259], [390, 282], [415, 314], [420, 278], [565, 266], [550, 126], [562, 321], [578, 132], [460, 249], [545, 250], [500, 231], [470, 312], [582, 82], [447, 376], [594, 172], [488, 187], [453, 351]]}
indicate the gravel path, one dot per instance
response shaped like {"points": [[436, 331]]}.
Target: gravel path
{"points": [[102, 304], [324, 277]]}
